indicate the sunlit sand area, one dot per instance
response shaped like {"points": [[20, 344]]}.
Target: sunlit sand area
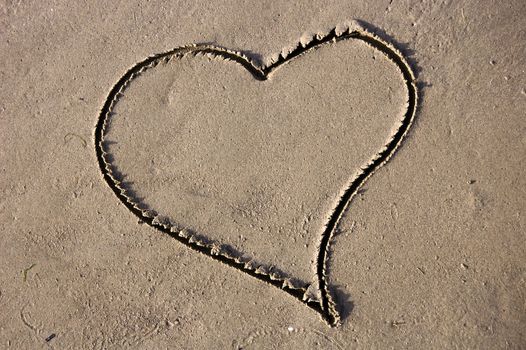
{"points": [[262, 175]]}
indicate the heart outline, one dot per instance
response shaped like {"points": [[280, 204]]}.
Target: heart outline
{"points": [[326, 306]]}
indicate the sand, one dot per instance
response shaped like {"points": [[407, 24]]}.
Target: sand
{"points": [[365, 189]]}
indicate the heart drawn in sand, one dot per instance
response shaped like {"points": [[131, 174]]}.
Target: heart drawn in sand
{"points": [[254, 165]]}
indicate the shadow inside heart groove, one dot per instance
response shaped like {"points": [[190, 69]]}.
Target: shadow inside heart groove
{"points": [[242, 162]]}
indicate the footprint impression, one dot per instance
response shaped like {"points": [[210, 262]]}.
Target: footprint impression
{"points": [[255, 165]]}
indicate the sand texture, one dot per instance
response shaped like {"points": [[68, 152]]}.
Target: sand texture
{"points": [[263, 175]]}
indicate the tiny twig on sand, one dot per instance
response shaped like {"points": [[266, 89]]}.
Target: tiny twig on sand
{"points": [[25, 271]]}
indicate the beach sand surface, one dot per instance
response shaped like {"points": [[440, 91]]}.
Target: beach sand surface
{"points": [[430, 253]]}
